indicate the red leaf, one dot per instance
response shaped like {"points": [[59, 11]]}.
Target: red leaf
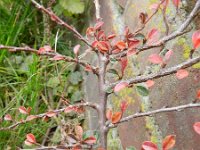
{"points": [[76, 49], [155, 59], [31, 117], [182, 73], [133, 43], [98, 25], [196, 39], [111, 36], [94, 44], [50, 114], [131, 52], [45, 49], [8, 117], [198, 94], [31, 138], [123, 106], [176, 3], [121, 45], [58, 57], [22, 110], [168, 142], [116, 117], [152, 33], [69, 109], [79, 131], [109, 114], [150, 83], [196, 127], [120, 86], [124, 63], [88, 68], [90, 140], [148, 145], [103, 46], [168, 55]]}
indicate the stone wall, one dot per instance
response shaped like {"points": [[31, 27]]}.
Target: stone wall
{"points": [[168, 91]]}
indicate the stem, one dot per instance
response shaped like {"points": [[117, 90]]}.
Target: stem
{"points": [[103, 101]]}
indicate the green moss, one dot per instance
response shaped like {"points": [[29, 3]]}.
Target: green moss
{"points": [[196, 66]]}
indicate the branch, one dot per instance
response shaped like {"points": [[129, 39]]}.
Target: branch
{"points": [[153, 112], [161, 73], [180, 31], [59, 21], [97, 7], [52, 54], [57, 111]]}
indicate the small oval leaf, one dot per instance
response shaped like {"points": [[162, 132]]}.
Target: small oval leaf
{"points": [[120, 86], [182, 73], [116, 117], [168, 142], [148, 145]]}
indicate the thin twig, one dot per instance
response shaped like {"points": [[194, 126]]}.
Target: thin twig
{"points": [[97, 7], [153, 112], [65, 58], [57, 111], [59, 21], [161, 73]]}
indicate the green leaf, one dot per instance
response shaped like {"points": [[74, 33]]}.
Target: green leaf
{"points": [[75, 78], [77, 96], [73, 6], [142, 90], [53, 82], [131, 148], [113, 71]]}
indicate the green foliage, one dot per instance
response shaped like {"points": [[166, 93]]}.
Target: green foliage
{"points": [[142, 90], [29, 80]]}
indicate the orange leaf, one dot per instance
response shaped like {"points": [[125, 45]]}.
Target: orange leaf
{"points": [[182, 73], [116, 117], [168, 142], [90, 31], [123, 105], [103, 46], [155, 59], [148, 145], [198, 94], [196, 127], [121, 45], [109, 114], [88, 68], [31, 138], [69, 109], [22, 110], [94, 44], [76, 49], [120, 86], [7, 117], [90, 140], [150, 83], [196, 39]]}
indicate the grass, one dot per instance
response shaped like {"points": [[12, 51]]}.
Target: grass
{"points": [[24, 77]]}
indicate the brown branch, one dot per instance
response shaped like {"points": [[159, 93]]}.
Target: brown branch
{"points": [[57, 111], [161, 73], [153, 112], [51, 54], [59, 21]]}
